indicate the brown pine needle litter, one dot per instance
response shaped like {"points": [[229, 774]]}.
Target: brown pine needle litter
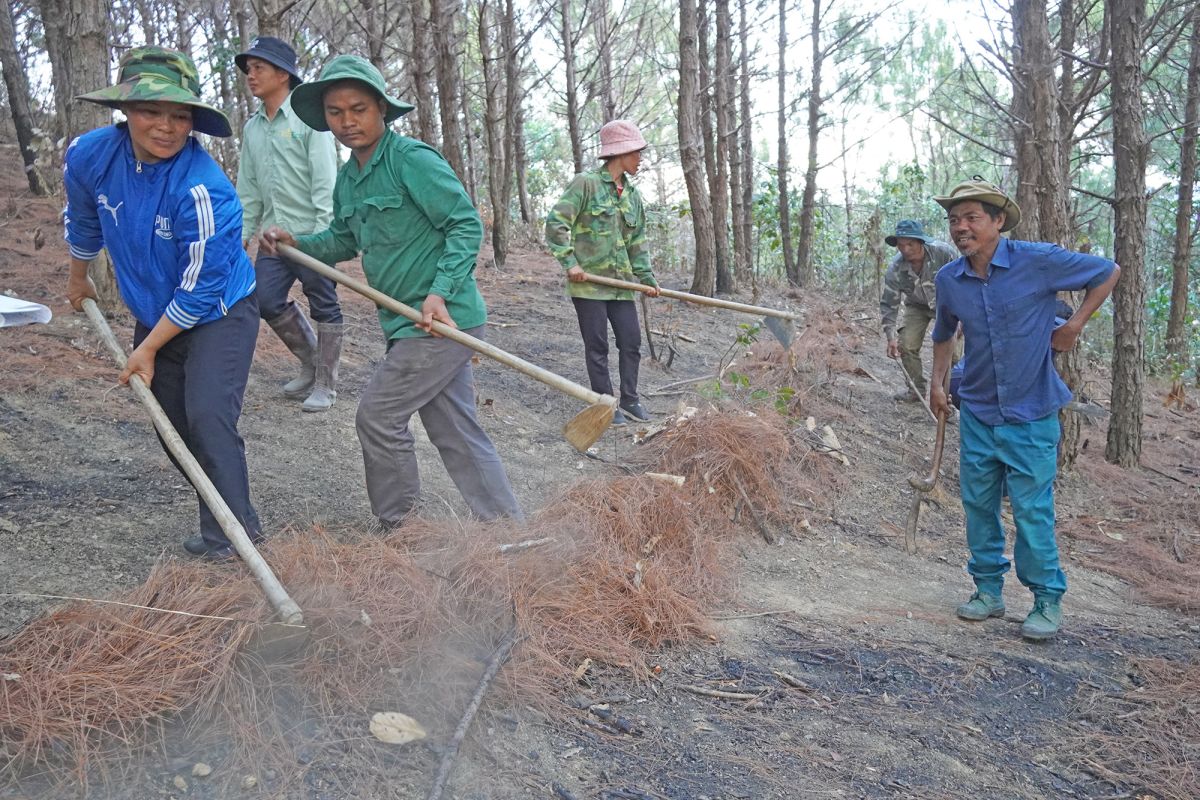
{"points": [[619, 569]]}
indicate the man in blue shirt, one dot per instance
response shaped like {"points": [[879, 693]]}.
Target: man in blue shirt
{"points": [[1003, 292]]}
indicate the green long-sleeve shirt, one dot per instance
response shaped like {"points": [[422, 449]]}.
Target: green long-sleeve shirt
{"points": [[410, 217], [602, 232], [285, 174]]}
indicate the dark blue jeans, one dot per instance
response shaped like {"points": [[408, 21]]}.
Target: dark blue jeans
{"points": [[274, 277], [199, 380], [594, 319]]}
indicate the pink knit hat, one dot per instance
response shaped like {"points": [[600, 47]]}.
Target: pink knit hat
{"points": [[620, 137]]}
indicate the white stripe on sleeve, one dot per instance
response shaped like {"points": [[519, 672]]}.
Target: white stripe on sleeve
{"points": [[206, 226]]}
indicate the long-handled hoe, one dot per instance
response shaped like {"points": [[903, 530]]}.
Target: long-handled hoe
{"points": [[287, 609], [582, 431], [778, 322], [923, 485]]}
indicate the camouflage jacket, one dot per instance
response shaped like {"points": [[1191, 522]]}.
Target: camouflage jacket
{"points": [[602, 232], [917, 290]]}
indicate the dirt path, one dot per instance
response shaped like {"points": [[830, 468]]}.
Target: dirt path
{"points": [[893, 696]]}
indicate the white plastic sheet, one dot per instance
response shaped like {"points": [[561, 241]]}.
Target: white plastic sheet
{"points": [[14, 311]]}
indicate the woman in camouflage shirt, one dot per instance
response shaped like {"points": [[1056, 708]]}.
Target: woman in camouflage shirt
{"points": [[599, 227]]}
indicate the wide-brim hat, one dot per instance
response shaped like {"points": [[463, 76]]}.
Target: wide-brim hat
{"points": [[908, 229], [156, 74], [275, 52], [308, 98], [620, 137], [984, 192]]}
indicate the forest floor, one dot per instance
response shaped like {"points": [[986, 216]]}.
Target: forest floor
{"points": [[896, 697]]}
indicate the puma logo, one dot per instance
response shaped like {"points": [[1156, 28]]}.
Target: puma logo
{"points": [[103, 201]]}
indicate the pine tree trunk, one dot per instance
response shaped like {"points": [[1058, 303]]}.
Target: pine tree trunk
{"points": [[1042, 175], [808, 201], [419, 70], [17, 85], [77, 44], [493, 133], [602, 32], [734, 144], [1177, 333], [691, 147], [746, 221], [568, 43], [723, 77], [521, 165], [1070, 364], [785, 212], [1130, 146], [444, 14]]}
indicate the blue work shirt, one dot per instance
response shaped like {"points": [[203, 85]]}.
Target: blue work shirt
{"points": [[1007, 320]]}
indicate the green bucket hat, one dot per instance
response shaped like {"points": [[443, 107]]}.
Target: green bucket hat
{"points": [[308, 98], [985, 192], [158, 74]]}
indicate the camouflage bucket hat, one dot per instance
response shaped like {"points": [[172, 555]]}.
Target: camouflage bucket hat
{"points": [[985, 192], [308, 99], [161, 75]]}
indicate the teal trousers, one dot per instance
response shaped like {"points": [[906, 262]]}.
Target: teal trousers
{"points": [[1026, 456]]}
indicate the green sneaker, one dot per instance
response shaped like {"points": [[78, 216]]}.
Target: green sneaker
{"points": [[981, 606], [1042, 623]]}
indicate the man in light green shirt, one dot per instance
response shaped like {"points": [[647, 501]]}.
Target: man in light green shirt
{"points": [[285, 177], [398, 202]]}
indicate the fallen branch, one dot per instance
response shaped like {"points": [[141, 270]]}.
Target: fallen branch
{"points": [[517, 547], [680, 384], [792, 681], [493, 667], [723, 694]]}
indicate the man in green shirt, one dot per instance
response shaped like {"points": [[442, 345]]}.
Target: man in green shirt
{"points": [[398, 202], [285, 177]]}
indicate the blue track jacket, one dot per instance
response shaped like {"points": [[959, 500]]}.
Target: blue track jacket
{"points": [[173, 228]]}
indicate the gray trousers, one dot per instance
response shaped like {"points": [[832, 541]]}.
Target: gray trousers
{"points": [[429, 376]]}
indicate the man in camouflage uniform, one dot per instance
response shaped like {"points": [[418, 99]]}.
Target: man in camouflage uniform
{"points": [[910, 276], [599, 227]]}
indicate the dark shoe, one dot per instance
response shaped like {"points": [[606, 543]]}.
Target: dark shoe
{"points": [[636, 412], [980, 607], [195, 545], [1043, 622], [293, 330], [329, 353], [618, 420], [220, 554]]}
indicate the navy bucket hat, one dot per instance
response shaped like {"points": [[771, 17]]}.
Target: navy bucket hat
{"points": [[274, 51], [908, 229]]}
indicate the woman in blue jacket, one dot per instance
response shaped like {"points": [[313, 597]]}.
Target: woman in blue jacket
{"points": [[171, 221]]}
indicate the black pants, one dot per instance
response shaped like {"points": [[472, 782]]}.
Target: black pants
{"points": [[594, 317], [274, 277], [199, 380]]}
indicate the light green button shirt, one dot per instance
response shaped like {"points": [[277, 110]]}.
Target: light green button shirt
{"points": [[285, 174]]}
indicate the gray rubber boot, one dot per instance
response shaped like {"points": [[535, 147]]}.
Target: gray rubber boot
{"points": [[294, 331], [329, 353]]}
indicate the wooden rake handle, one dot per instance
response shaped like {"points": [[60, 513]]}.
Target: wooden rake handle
{"points": [[287, 609], [692, 298], [382, 300]]}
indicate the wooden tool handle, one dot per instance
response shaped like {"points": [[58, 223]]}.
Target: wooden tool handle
{"points": [[454, 334], [691, 298], [284, 605]]}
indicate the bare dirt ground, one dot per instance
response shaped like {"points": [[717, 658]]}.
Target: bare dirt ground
{"points": [[893, 696]]}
